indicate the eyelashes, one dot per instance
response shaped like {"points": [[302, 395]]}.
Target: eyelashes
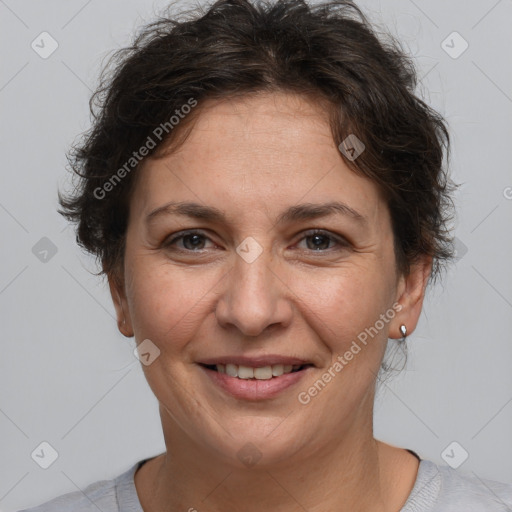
{"points": [[196, 239]]}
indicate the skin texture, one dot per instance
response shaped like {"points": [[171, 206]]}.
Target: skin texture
{"points": [[252, 158]]}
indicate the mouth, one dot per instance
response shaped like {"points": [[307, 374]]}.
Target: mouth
{"points": [[256, 373], [255, 379]]}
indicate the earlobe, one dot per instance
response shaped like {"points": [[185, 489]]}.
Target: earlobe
{"points": [[411, 291], [120, 304]]}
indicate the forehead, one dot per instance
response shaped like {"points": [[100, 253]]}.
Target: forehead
{"points": [[263, 152]]}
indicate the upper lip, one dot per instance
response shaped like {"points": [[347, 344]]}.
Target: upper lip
{"points": [[255, 361]]}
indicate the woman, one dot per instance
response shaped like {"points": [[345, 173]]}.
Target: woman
{"points": [[267, 198]]}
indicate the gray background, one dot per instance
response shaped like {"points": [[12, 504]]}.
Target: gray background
{"points": [[70, 379]]}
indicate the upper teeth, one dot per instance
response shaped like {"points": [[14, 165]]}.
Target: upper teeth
{"points": [[262, 373]]}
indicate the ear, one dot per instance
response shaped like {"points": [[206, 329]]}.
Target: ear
{"points": [[410, 294], [117, 291]]}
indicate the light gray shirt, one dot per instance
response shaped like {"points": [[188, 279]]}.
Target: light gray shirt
{"points": [[437, 489]]}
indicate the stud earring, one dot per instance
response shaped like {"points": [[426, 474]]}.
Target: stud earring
{"points": [[403, 331]]}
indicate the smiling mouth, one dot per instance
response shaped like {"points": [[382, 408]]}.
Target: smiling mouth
{"points": [[260, 373]]}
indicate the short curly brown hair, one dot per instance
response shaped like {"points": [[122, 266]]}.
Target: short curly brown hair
{"points": [[329, 51]]}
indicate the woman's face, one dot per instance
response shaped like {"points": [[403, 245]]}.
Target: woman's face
{"points": [[254, 286]]}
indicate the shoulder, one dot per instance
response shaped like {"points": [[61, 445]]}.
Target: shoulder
{"points": [[444, 489], [468, 488], [100, 495], [105, 495]]}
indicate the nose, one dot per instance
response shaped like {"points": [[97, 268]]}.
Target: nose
{"points": [[255, 297]]}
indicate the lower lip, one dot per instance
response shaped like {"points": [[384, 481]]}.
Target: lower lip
{"points": [[253, 389]]}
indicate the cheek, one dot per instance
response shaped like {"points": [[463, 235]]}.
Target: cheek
{"points": [[170, 304], [166, 305], [340, 305]]}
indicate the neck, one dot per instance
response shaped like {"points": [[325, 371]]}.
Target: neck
{"points": [[357, 473]]}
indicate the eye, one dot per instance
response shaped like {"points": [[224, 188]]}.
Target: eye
{"points": [[321, 240], [192, 241]]}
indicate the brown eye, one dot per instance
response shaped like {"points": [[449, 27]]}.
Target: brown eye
{"points": [[319, 242], [190, 241], [322, 241]]}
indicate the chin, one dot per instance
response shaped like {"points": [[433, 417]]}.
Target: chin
{"points": [[257, 443]]}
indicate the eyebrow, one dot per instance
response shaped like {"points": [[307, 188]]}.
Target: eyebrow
{"points": [[299, 212]]}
